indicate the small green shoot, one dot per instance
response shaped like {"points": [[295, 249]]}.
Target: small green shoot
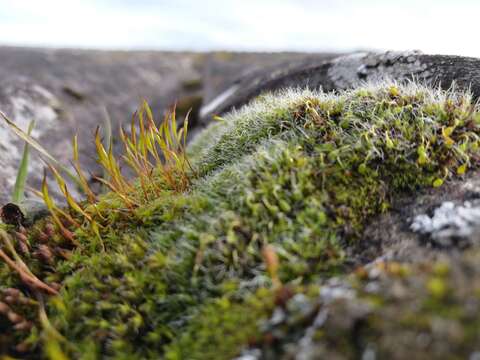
{"points": [[19, 188]]}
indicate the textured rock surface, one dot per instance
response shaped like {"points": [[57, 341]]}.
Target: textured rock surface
{"points": [[349, 71], [422, 226], [70, 91], [223, 70]]}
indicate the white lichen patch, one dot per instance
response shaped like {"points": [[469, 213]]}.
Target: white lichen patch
{"points": [[334, 290], [250, 354], [450, 223]]}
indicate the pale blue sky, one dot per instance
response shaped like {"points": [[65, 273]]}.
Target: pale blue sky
{"points": [[433, 26]]}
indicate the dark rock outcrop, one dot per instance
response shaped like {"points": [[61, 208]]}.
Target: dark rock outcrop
{"points": [[348, 71]]}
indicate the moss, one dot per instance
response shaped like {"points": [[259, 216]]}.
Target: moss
{"points": [[381, 311], [222, 328], [300, 171]]}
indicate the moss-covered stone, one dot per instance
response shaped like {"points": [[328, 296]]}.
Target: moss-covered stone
{"points": [[184, 276], [386, 310]]}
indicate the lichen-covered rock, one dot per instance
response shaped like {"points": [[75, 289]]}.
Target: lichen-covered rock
{"points": [[449, 223], [384, 310], [270, 253]]}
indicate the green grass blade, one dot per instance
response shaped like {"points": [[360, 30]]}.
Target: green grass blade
{"points": [[19, 188], [108, 126]]}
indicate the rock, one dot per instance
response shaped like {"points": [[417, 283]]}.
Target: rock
{"points": [[424, 225], [72, 91], [222, 70], [337, 73]]}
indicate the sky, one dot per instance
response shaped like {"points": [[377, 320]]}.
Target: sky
{"points": [[432, 26]]}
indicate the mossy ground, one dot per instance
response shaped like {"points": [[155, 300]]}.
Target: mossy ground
{"points": [[184, 277]]}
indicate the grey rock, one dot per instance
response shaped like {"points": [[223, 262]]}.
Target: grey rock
{"points": [[70, 91], [253, 82], [34, 210], [344, 72], [425, 226]]}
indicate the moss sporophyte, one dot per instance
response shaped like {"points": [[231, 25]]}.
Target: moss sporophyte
{"points": [[190, 259]]}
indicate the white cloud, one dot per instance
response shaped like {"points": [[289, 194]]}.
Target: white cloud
{"points": [[434, 26]]}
